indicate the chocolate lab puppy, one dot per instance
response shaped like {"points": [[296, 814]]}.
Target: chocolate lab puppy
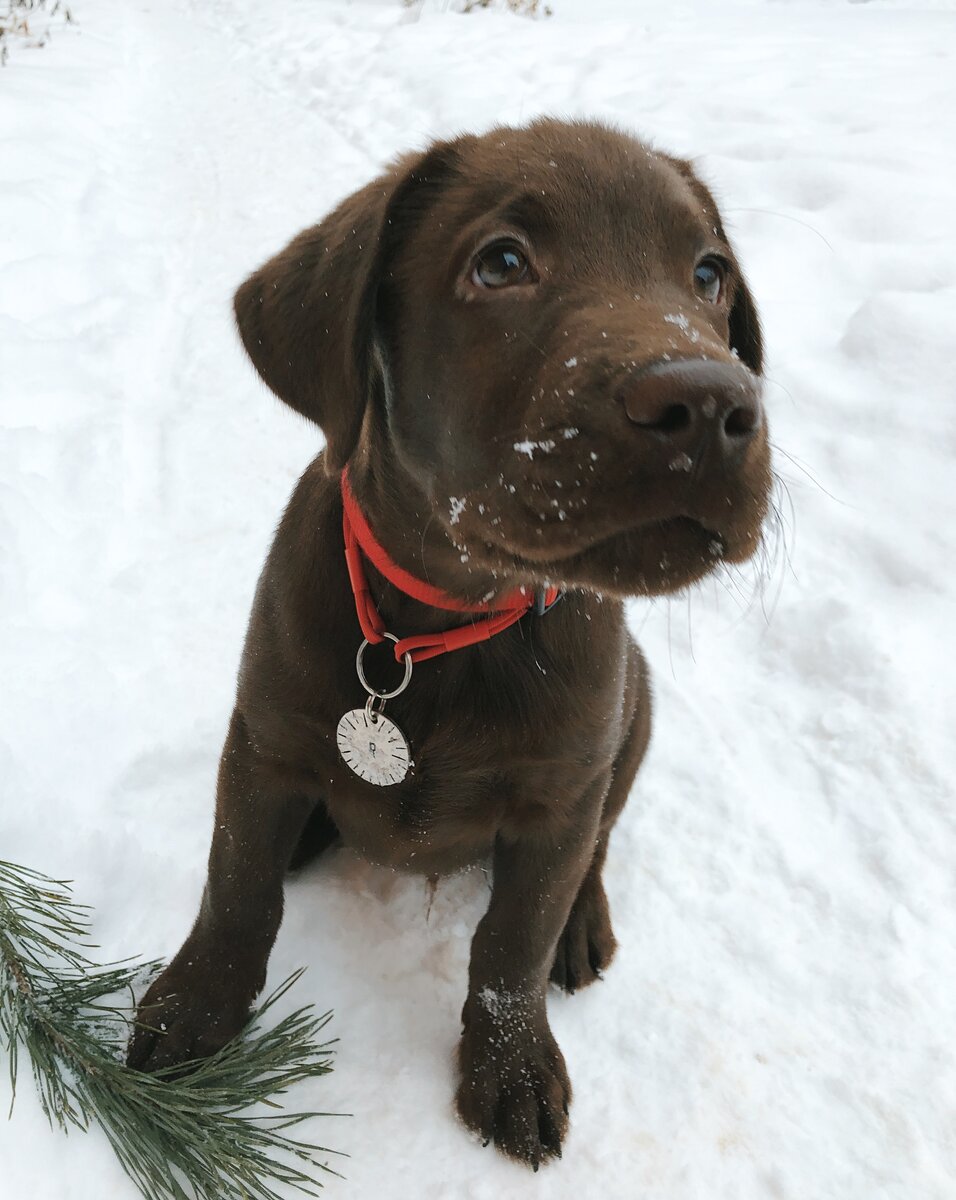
{"points": [[537, 366]]}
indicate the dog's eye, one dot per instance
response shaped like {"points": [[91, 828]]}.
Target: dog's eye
{"points": [[709, 277], [501, 265]]}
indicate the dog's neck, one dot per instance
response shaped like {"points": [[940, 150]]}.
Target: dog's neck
{"points": [[403, 523]]}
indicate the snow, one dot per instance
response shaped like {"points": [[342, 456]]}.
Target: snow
{"points": [[528, 447], [780, 1020]]}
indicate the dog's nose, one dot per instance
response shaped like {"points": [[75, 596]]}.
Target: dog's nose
{"points": [[686, 401]]}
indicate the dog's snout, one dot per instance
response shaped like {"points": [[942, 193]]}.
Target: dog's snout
{"points": [[685, 401]]}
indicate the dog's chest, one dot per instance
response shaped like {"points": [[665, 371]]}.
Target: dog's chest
{"points": [[434, 824], [481, 767]]}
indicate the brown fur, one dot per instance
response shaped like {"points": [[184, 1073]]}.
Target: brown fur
{"points": [[598, 428]]}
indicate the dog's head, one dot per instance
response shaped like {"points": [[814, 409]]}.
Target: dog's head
{"points": [[546, 333]]}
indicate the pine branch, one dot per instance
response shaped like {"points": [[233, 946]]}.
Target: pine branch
{"points": [[179, 1137]]}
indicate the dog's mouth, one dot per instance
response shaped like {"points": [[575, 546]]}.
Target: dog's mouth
{"points": [[625, 536], [651, 558]]}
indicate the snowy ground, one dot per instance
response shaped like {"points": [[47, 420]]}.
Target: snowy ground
{"points": [[781, 1018]]}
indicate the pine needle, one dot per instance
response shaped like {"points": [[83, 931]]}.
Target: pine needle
{"points": [[178, 1136]]}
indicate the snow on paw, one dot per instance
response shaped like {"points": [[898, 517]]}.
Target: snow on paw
{"points": [[513, 1086]]}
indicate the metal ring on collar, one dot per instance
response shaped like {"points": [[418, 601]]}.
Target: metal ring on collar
{"points": [[365, 683]]}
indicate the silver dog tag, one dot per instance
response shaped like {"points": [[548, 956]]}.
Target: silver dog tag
{"points": [[373, 747]]}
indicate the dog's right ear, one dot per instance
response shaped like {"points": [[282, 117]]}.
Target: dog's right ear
{"points": [[307, 317]]}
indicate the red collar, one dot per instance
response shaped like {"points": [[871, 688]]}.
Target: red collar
{"points": [[359, 541]]}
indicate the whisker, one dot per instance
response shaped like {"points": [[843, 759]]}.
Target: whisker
{"points": [[769, 212], [750, 585], [431, 516], [690, 630], [534, 345], [777, 553], [670, 647], [806, 471], [783, 388]]}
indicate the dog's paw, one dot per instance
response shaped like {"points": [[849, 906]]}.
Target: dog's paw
{"points": [[182, 1019], [513, 1085], [587, 944]]}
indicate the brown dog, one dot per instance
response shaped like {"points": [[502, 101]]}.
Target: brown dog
{"points": [[536, 353]]}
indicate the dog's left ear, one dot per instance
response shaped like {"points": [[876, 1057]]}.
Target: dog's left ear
{"points": [[746, 338], [307, 317]]}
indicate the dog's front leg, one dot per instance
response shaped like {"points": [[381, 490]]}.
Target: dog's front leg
{"points": [[203, 997], [514, 1086]]}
